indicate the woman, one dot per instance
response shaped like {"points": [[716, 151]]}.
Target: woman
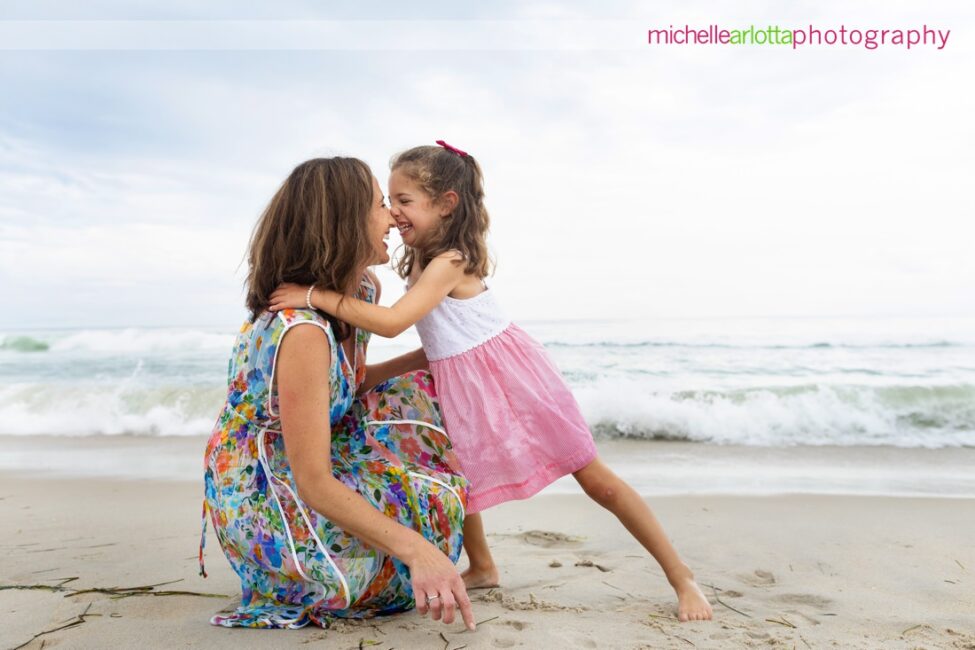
{"points": [[331, 487]]}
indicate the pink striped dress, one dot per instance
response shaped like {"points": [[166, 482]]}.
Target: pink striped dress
{"points": [[510, 416]]}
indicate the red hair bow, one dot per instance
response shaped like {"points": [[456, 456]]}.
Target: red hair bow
{"points": [[462, 154]]}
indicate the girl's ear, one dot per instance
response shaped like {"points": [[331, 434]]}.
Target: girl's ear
{"points": [[448, 202]]}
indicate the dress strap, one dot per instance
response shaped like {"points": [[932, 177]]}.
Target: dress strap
{"points": [[292, 318], [370, 286]]}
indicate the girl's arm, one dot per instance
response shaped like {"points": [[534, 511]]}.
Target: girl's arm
{"points": [[303, 388], [438, 279], [379, 372]]}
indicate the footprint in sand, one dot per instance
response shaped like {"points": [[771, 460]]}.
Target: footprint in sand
{"points": [[930, 636], [548, 539], [760, 578], [817, 603], [809, 619], [811, 600]]}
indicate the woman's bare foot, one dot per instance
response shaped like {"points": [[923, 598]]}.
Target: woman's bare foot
{"points": [[692, 605], [480, 578]]}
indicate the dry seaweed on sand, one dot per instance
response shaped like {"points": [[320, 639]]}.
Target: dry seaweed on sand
{"points": [[588, 563], [75, 622], [40, 587], [116, 592]]}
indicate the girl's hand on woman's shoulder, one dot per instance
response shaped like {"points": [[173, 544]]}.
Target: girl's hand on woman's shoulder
{"points": [[289, 296], [296, 296]]}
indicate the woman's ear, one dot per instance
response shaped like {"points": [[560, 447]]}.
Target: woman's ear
{"points": [[448, 202]]}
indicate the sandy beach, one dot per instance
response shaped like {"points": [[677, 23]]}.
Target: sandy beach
{"points": [[789, 571]]}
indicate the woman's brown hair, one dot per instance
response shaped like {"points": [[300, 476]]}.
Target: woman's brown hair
{"points": [[437, 171], [314, 231]]}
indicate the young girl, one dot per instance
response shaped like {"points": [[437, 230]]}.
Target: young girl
{"points": [[512, 420]]}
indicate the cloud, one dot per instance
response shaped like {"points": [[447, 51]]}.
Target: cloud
{"points": [[679, 182]]}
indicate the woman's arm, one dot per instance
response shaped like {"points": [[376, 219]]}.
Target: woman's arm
{"points": [[438, 279], [303, 393], [379, 372]]}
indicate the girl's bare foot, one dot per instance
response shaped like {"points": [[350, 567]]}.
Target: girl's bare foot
{"points": [[692, 605], [480, 578]]}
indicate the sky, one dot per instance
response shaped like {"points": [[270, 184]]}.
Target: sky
{"points": [[623, 180]]}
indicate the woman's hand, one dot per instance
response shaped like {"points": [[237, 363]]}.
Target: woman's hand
{"points": [[289, 296], [438, 587]]}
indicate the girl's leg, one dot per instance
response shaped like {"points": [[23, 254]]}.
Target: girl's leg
{"points": [[482, 572], [614, 494]]}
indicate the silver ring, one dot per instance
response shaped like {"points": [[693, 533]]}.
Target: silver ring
{"points": [[431, 598]]}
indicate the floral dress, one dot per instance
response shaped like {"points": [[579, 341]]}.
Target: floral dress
{"points": [[295, 565]]}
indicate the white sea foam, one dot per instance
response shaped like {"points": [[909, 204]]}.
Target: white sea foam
{"points": [[762, 383], [58, 409], [901, 416], [809, 415], [143, 340]]}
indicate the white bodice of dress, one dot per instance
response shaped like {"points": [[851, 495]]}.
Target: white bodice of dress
{"points": [[456, 326]]}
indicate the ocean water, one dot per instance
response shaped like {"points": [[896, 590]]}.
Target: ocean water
{"points": [[757, 382]]}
